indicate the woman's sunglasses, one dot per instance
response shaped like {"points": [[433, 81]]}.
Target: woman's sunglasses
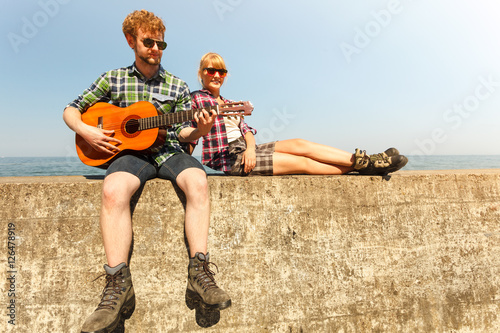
{"points": [[211, 71], [149, 43]]}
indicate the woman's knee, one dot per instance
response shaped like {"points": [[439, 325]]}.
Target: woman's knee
{"points": [[292, 146], [302, 144]]}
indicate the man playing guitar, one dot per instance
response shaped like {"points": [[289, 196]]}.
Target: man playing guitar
{"points": [[146, 80]]}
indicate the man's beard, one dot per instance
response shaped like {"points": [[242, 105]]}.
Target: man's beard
{"points": [[150, 61]]}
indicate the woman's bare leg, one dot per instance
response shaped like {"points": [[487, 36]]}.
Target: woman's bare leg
{"points": [[315, 151], [289, 164]]}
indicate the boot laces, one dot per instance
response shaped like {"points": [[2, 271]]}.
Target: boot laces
{"points": [[362, 159], [380, 160], [111, 290], [206, 278]]}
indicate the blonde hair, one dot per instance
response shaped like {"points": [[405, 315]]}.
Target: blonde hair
{"points": [[142, 19], [216, 60]]}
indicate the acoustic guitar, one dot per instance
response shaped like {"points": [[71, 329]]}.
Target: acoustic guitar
{"points": [[140, 127]]}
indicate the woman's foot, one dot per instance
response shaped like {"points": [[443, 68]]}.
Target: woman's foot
{"points": [[379, 164]]}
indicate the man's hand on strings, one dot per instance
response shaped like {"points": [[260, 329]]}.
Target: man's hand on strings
{"points": [[205, 121]]}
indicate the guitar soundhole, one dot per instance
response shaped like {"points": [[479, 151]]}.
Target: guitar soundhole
{"points": [[131, 128]]}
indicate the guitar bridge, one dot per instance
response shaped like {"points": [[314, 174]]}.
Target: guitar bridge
{"points": [[99, 123]]}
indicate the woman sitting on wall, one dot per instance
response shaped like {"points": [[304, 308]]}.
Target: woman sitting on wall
{"points": [[230, 145]]}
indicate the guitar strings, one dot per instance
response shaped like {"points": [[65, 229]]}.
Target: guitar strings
{"points": [[156, 119]]}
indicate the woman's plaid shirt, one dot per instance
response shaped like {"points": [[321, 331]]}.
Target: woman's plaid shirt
{"points": [[125, 86], [215, 153]]}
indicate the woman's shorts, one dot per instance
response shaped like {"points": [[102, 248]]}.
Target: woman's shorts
{"points": [[264, 158]]}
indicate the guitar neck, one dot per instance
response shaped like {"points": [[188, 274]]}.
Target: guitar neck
{"points": [[171, 118]]}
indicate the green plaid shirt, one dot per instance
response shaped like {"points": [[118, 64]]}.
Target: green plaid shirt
{"points": [[125, 86]]}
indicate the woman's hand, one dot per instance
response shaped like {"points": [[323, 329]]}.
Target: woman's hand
{"points": [[249, 159]]}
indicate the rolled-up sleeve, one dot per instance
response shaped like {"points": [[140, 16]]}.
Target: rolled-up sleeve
{"points": [[245, 128], [97, 92]]}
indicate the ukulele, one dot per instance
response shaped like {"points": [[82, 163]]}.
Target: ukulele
{"points": [[140, 127]]}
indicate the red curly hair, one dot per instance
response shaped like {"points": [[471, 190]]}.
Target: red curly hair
{"points": [[144, 20]]}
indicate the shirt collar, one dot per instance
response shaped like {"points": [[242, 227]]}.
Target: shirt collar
{"points": [[133, 71], [208, 92]]}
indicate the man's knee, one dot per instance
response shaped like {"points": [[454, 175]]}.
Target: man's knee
{"points": [[193, 181], [118, 188]]}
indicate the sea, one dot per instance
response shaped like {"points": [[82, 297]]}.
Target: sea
{"points": [[70, 166]]}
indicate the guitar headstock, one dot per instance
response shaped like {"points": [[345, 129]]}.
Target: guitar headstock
{"points": [[236, 109]]}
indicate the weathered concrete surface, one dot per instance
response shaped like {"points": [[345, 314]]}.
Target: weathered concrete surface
{"points": [[417, 253]]}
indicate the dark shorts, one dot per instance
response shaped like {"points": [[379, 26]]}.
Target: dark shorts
{"points": [[264, 159], [145, 168]]}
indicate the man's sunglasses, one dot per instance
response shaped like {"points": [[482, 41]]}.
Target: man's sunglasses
{"points": [[149, 43], [211, 71]]}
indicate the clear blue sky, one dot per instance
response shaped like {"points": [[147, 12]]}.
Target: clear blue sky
{"points": [[421, 75]]}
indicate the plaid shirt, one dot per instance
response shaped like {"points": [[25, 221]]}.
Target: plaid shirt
{"points": [[125, 86], [215, 153]]}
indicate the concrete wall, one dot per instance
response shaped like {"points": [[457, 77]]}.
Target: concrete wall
{"points": [[417, 253]]}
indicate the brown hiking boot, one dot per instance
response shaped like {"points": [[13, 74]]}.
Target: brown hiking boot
{"points": [[201, 286], [379, 164], [391, 152], [117, 302]]}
